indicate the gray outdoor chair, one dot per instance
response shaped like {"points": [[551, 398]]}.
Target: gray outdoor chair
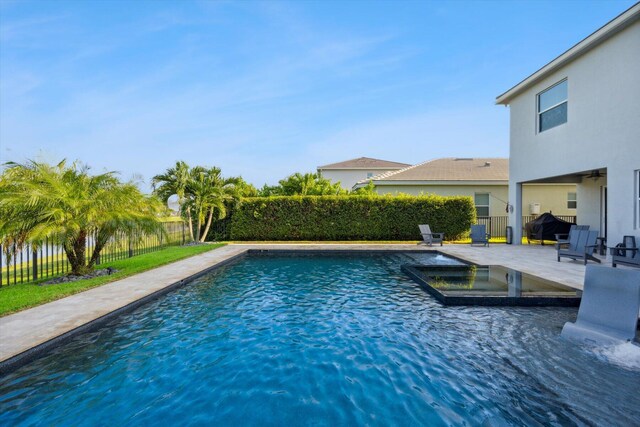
{"points": [[428, 237], [563, 238], [582, 244], [609, 308], [626, 253], [479, 235]]}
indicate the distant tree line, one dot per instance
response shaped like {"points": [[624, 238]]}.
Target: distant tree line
{"points": [[204, 195], [310, 184]]}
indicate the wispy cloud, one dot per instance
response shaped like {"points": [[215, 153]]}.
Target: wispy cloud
{"points": [[34, 32], [262, 89], [260, 121]]}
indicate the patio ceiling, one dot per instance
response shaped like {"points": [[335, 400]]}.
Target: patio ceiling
{"points": [[572, 178]]}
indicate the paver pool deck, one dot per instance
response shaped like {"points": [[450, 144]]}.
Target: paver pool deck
{"points": [[27, 329]]}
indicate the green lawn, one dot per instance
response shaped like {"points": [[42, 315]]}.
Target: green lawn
{"points": [[21, 296]]}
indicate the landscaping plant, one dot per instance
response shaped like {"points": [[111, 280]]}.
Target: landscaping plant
{"points": [[203, 194], [350, 217], [68, 204], [308, 184]]}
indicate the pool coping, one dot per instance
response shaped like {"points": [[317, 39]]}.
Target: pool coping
{"points": [[37, 348]]}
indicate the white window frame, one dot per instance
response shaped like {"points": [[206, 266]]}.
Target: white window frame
{"points": [[569, 199], [539, 113], [488, 205]]}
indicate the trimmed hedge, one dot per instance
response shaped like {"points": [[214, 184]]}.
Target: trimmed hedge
{"points": [[350, 217]]}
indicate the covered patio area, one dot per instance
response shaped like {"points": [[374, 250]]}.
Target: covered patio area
{"points": [[589, 201]]}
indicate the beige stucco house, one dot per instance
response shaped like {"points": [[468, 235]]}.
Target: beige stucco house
{"points": [[351, 171], [577, 120], [486, 180]]}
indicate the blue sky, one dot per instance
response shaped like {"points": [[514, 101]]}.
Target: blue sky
{"points": [[265, 89]]}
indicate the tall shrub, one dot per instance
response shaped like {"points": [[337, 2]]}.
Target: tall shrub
{"points": [[350, 217]]}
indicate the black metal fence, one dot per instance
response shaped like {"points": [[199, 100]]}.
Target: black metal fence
{"points": [[497, 225], [32, 262]]}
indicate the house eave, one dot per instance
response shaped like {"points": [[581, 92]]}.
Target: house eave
{"points": [[614, 26]]}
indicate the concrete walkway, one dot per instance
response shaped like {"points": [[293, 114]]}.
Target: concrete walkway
{"points": [[27, 329]]}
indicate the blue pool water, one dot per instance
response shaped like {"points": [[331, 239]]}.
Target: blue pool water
{"points": [[322, 340]]}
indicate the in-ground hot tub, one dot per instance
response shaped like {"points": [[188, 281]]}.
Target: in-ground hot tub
{"points": [[490, 285]]}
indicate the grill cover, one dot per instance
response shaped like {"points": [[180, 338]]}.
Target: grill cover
{"points": [[545, 227]]}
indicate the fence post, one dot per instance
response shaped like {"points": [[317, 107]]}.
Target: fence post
{"points": [[35, 264], [183, 237], [130, 248]]}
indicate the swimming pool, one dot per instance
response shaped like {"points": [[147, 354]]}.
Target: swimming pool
{"points": [[325, 340]]}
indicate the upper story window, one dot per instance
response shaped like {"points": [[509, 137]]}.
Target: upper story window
{"points": [[369, 174], [482, 204], [572, 201], [552, 106]]}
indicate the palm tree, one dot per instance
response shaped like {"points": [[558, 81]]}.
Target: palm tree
{"points": [[225, 190], [175, 181], [202, 194], [39, 201], [208, 192]]}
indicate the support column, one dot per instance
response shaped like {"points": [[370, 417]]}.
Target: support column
{"points": [[515, 211]]}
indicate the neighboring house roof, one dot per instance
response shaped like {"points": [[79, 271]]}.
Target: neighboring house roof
{"points": [[614, 26], [486, 169], [365, 163]]}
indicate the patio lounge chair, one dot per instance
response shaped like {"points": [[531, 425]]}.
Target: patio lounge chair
{"points": [[429, 238], [608, 311], [582, 244], [626, 253], [479, 235], [563, 239]]}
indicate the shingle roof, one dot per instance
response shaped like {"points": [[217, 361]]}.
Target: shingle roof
{"points": [[451, 169], [365, 163]]}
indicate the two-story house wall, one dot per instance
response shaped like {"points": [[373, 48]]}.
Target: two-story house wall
{"points": [[577, 120]]}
